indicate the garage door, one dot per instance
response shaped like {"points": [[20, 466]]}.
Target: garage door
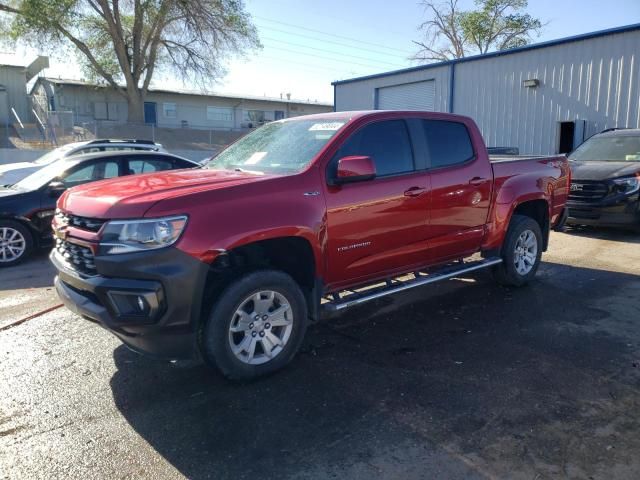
{"points": [[409, 96]]}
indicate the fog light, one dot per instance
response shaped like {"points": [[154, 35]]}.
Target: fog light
{"points": [[134, 304]]}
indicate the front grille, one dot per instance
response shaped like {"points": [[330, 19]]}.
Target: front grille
{"points": [[588, 191], [91, 224], [76, 256]]}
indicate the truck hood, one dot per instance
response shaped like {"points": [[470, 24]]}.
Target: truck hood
{"points": [[132, 196], [602, 170]]}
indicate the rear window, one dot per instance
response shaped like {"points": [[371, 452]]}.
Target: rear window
{"points": [[448, 143]]}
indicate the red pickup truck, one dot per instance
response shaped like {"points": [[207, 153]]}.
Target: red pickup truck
{"points": [[230, 262]]}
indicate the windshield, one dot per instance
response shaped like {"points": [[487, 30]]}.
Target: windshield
{"points": [[282, 147], [622, 148], [54, 155], [43, 176]]}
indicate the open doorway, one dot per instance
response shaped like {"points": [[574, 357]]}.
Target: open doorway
{"points": [[566, 136]]}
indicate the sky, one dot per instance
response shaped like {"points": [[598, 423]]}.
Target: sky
{"points": [[308, 44]]}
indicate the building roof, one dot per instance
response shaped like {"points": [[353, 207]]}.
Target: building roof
{"points": [[63, 81], [550, 43]]}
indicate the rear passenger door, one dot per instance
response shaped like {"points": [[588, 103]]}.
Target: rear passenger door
{"points": [[377, 226], [461, 180]]}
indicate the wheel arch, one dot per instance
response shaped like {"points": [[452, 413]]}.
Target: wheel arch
{"points": [[291, 254], [535, 205]]}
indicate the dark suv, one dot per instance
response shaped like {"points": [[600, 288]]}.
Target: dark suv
{"points": [[605, 186]]}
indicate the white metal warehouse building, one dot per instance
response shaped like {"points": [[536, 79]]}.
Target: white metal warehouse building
{"points": [[543, 98]]}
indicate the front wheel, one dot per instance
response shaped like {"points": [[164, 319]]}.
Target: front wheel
{"points": [[16, 243], [256, 326], [521, 252]]}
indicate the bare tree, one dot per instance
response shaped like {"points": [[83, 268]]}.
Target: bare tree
{"points": [[451, 32], [443, 37], [129, 40]]}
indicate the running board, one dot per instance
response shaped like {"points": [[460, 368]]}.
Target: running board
{"points": [[348, 298]]}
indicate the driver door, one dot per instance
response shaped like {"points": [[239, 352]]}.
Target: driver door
{"points": [[377, 226]]}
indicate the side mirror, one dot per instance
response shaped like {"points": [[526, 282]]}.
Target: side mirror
{"points": [[56, 188], [355, 168]]}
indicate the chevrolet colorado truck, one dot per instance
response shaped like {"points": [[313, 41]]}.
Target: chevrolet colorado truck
{"points": [[230, 262]]}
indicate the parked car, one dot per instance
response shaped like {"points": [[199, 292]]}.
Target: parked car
{"points": [[231, 262], [27, 207], [14, 172], [605, 189]]}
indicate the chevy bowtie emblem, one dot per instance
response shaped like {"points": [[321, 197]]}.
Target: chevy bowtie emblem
{"points": [[576, 187], [60, 233]]}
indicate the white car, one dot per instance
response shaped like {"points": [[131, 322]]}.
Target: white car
{"points": [[11, 173]]}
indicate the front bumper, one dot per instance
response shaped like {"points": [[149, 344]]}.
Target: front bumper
{"points": [[170, 284], [618, 212]]}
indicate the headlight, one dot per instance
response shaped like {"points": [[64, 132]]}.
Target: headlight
{"points": [[628, 184], [124, 236]]}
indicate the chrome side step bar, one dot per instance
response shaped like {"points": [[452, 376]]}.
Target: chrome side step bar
{"points": [[348, 298]]}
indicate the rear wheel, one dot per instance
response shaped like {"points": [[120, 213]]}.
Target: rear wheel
{"points": [[521, 252], [16, 243], [256, 326]]}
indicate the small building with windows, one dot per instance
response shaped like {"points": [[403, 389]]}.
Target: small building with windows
{"points": [[542, 98], [168, 108]]}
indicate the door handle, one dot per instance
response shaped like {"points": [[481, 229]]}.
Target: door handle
{"points": [[477, 181], [414, 191]]}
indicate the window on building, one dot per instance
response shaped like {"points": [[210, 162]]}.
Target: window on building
{"points": [[255, 116], [387, 143], [170, 110], [448, 143], [218, 114]]}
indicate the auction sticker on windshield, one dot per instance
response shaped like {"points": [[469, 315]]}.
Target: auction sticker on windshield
{"points": [[331, 126]]}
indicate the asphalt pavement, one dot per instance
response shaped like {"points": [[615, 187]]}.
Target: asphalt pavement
{"points": [[463, 379]]}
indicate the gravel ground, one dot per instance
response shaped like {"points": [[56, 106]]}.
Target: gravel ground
{"points": [[463, 379]]}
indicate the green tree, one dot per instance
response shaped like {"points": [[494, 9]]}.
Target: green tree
{"points": [[451, 32], [124, 42]]}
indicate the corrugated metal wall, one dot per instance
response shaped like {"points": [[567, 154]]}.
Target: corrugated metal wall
{"points": [[596, 80], [361, 95]]}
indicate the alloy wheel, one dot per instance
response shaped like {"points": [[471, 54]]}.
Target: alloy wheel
{"points": [[12, 244], [526, 252], [261, 327]]}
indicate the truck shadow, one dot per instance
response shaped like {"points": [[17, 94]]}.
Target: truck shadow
{"points": [[604, 233], [459, 380]]}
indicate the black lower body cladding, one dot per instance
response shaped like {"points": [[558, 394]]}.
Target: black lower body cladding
{"points": [[150, 300]]}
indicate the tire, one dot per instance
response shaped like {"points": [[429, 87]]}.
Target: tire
{"points": [[511, 272], [16, 243], [236, 309]]}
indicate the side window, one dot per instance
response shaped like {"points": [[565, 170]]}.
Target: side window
{"points": [[117, 148], [386, 142], [88, 150], [90, 173], [148, 165], [448, 143]]}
